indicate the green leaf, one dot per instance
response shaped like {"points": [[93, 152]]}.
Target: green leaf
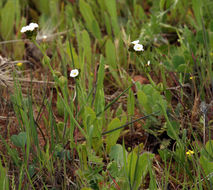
{"points": [[116, 154], [60, 106], [111, 9], [209, 148], [89, 117], [150, 99], [162, 4], [183, 68], [177, 60], [173, 129], [138, 167], [206, 159], [86, 45], [99, 96], [7, 20], [110, 54], [19, 140], [111, 60], [112, 137], [142, 168], [107, 24], [197, 10], [207, 166], [143, 101], [89, 18]]}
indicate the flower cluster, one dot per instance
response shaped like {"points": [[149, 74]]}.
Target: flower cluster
{"points": [[137, 46], [30, 30], [29, 27]]}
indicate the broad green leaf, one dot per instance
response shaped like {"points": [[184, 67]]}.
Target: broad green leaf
{"points": [[177, 60], [99, 101], [143, 101], [86, 45], [197, 10], [89, 117], [116, 154], [173, 129], [138, 167], [107, 24], [111, 60], [89, 18], [207, 166], [209, 148], [111, 9], [112, 137], [206, 159], [111, 54], [131, 166], [142, 168], [150, 99], [7, 20], [19, 140], [183, 68]]}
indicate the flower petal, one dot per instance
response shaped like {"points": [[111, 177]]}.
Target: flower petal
{"points": [[135, 42]]}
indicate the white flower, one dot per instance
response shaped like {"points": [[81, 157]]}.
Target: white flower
{"points": [[33, 25], [24, 29], [29, 27], [74, 73], [148, 63], [138, 47], [135, 42]]}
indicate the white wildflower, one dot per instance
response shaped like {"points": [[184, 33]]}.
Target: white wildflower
{"points": [[33, 25], [74, 73], [29, 27], [138, 47], [24, 29]]}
